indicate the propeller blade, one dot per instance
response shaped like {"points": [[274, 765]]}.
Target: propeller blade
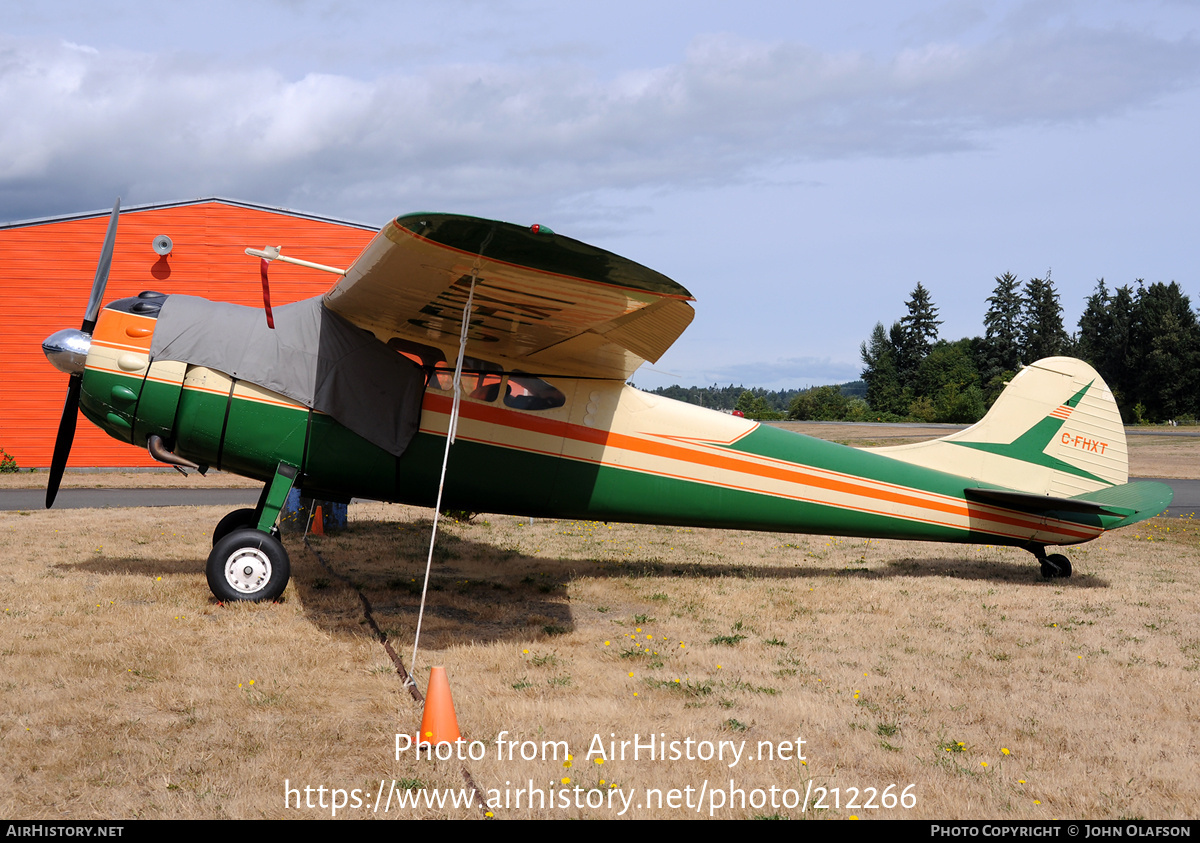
{"points": [[62, 445], [101, 280], [70, 414]]}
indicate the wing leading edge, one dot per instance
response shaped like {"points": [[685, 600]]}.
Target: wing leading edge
{"points": [[547, 302]]}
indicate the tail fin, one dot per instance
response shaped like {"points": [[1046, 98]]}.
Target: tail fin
{"points": [[1055, 430]]}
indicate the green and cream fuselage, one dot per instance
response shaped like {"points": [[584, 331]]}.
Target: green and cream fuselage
{"points": [[607, 452], [351, 395]]}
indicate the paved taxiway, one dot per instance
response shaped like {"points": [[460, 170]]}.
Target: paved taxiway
{"points": [[1187, 498]]}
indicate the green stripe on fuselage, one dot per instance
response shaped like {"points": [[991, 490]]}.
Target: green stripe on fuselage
{"points": [[801, 450]]}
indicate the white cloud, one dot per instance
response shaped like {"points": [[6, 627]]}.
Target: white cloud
{"points": [[86, 123], [70, 45]]}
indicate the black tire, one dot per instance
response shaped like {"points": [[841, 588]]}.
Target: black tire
{"points": [[248, 565], [1062, 563], [1056, 565], [239, 519]]}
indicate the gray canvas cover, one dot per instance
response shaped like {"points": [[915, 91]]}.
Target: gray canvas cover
{"points": [[312, 356]]}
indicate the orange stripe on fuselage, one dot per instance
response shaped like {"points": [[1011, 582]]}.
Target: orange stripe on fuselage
{"points": [[792, 473], [973, 511]]}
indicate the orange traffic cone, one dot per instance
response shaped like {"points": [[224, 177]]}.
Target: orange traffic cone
{"points": [[318, 524], [438, 723]]}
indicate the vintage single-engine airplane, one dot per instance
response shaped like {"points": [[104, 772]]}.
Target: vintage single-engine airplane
{"points": [[352, 394]]}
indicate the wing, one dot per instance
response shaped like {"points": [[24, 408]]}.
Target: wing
{"points": [[551, 304]]}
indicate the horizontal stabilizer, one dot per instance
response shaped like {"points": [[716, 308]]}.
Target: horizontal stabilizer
{"points": [[1046, 503], [1145, 499], [1131, 502]]}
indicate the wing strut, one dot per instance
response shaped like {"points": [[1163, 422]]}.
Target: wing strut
{"points": [[451, 431]]}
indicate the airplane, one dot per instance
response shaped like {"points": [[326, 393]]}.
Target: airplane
{"points": [[352, 394]]}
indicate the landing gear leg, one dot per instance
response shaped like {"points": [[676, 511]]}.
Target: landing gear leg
{"points": [[247, 561], [275, 496], [244, 518], [1054, 565]]}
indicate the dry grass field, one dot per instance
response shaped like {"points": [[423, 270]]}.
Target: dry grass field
{"points": [[951, 674]]}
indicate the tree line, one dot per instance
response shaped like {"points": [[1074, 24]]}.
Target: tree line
{"points": [[761, 402], [767, 405], [1143, 339]]}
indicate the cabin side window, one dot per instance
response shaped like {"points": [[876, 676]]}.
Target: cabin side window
{"points": [[481, 379], [431, 359], [526, 392]]}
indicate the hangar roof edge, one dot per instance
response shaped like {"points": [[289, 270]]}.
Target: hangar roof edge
{"points": [[154, 206]]}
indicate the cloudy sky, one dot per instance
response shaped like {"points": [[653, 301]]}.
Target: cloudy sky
{"points": [[799, 166]]}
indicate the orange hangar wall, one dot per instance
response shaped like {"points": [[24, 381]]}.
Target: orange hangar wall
{"points": [[46, 273]]}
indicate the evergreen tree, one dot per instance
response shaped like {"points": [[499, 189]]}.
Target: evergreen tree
{"points": [[905, 367], [1165, 353], [1043, 335], [1116, 358], [880, 372], [998, 353], [1095, 327], [919, 330], [1104, 341], [1004, 326]]}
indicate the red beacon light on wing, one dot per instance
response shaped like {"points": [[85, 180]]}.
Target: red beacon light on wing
{"points": [[537, 228]]}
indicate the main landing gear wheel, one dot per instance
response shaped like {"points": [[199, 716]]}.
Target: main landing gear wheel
{"points": [[247, 565], [239, 519], [1056, 565]]}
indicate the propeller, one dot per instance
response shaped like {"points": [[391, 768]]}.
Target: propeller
{"points": [[56, 345]]}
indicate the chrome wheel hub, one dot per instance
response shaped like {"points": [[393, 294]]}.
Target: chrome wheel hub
{"points": [[247, 570]]}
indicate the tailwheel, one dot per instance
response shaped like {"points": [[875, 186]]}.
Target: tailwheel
{"points": [[248, 564], [1056, 565]]}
